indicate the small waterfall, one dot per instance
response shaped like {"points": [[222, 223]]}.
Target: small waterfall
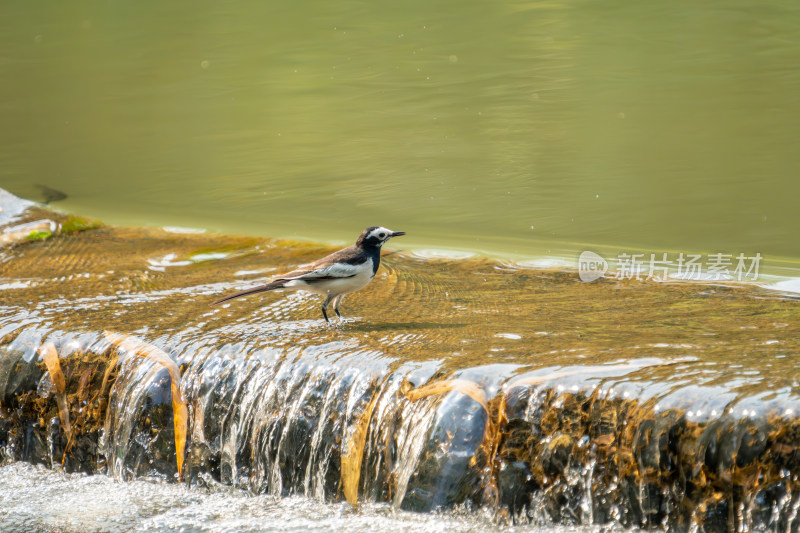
{"points": [[284, 423], [523, 393]]}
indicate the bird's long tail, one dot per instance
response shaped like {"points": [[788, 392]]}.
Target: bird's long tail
{"points": [[277, 284]]}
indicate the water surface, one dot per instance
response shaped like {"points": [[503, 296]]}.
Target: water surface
{"points": [[38, 500], [516, 128], [523, 392]]}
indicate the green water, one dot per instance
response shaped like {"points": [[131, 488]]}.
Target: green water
{"points": [[520, 129]]}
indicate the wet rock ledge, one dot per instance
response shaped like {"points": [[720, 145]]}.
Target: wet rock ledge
{"points": [[452, 383]]}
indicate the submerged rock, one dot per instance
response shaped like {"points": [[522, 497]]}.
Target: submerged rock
{"points": [[446, 473], [17, 375]]}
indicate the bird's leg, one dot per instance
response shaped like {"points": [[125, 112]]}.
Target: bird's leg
{"points": [[325, 308], [336, 303]]}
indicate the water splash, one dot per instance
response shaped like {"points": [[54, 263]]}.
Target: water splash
{"points": [[647, 405]]}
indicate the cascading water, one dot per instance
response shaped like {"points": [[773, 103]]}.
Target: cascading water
{"points": [[458, 384]]}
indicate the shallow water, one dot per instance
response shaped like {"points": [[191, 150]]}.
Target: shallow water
{"points": [[450, 382], [519, 130], [526, 129]]}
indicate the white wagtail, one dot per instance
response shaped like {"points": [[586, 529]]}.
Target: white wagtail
{"points": [[334, 275]]}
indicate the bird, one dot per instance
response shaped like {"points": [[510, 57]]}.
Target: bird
{"points": [[335, 275]]}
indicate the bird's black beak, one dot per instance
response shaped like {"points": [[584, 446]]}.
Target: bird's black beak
{"points": [[397, 233]]}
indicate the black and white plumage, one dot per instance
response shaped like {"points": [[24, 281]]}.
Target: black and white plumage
{"points": [[335, 275]]}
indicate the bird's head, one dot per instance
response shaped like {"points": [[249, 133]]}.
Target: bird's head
{"points": [[376, 236]]}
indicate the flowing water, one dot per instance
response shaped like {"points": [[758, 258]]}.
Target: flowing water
{"points": [[524, 129], [37, 499], [516, 394], [500, 391]]}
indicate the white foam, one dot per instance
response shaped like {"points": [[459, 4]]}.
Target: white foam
{"points": [[179, 229]]}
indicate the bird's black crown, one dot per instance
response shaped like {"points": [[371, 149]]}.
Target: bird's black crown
{"points": [[376, 236]]}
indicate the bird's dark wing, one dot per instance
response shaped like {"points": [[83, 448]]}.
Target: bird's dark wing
{"points": [[338, 265], [341, 264], [335, 271]]}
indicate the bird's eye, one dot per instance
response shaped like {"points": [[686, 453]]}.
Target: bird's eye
{"points": [[382, 236]]}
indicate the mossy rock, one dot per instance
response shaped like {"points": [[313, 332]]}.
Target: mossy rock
{"points": [[39, 235], [75, 224]]}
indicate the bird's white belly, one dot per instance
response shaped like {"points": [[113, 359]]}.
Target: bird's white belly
{"points": [[336, 286]]}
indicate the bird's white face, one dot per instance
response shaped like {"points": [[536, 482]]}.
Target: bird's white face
{"points": [[379, 235]]}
